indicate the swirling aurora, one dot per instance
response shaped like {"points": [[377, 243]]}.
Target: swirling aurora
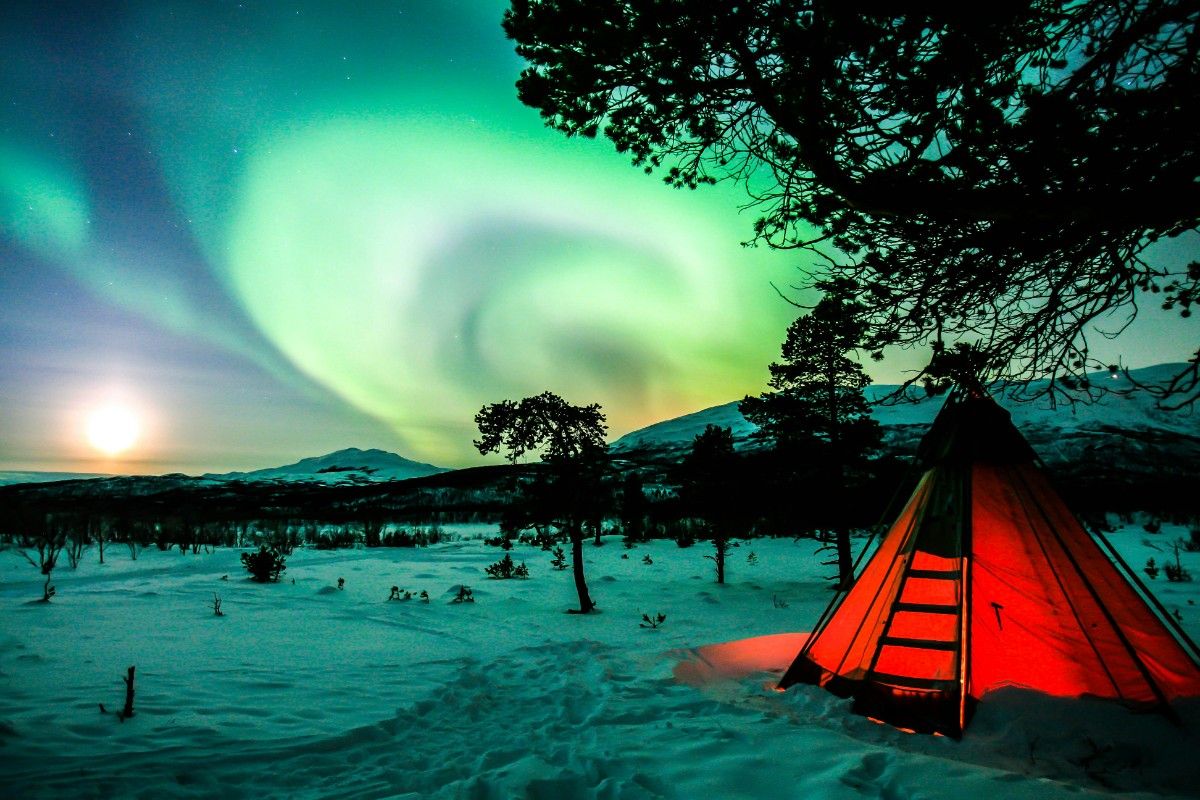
{"points": [[351, 217], [281, 229]]}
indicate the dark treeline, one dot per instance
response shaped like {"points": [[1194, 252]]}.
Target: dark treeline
{"points": [[764, 493]]}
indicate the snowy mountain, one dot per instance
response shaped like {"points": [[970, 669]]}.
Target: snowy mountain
{"points": [[351, 465], [1129, 429]]}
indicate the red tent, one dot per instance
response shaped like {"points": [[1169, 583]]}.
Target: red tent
{"points": [[987, 580]]}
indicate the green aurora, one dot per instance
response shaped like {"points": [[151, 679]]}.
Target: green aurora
{"points": [[351, 199]]}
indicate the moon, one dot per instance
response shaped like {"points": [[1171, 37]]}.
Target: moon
{"points": [[113, 429]]}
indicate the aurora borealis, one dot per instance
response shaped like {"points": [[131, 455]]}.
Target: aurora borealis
{"points": [[282, 229]]}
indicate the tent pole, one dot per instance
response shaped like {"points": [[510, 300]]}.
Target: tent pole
{"points": [[1132, 651], [1186, 641], [965, 550]]}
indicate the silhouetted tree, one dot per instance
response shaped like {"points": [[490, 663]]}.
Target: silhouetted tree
{"points": [[709, 489], [574, 456], [999, 173], [46, 536], [817, 411], [632, 508]]}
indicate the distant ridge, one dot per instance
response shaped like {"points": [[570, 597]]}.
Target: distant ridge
{"points": [[351, 465], [1128, 431], [8, 477]]}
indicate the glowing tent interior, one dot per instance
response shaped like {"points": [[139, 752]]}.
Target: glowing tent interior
{"points": [[987, 580]]}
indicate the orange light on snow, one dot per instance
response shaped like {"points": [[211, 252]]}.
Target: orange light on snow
{"points": [[737, 659]]}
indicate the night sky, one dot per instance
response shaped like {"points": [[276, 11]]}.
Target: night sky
{"points": [[267, 231]]}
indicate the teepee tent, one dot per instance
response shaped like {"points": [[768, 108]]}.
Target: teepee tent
{"points": [[987, 580]]}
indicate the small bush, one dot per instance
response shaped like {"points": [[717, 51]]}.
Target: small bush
{"points": [[1151, 569], [505, 568], [464, 595], [560, 559], [685, 539], [656, 621], [1176, 573], [646, 559], [265, 565]]}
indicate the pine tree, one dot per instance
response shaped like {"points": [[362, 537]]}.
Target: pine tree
{"points": [[568, 487], [633, 509], [710, 490], [817, 412]]}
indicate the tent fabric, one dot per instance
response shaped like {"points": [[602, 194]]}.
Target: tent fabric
{"points": [[986, 580]]}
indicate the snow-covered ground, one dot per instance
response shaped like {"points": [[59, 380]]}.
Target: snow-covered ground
{"points": [[302, 690]]}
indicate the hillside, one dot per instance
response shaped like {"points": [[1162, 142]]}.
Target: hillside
{"points": [[1117, 433]]}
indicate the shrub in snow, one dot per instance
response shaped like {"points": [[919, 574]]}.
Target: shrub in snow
{"points": [[560, 559], [464, 595], [647, 622], [752, 559], [502, 541], [1175, 572], [646, 559], [216, 606], [1152, 526], [1151, 569], [779, 602], [1192, 545], [265, 565], [424, 596], [341, 583], [399, 594], [505, 568], [684, 538]]}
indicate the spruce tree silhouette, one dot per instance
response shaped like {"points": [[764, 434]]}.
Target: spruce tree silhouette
{"points": [[817, 414], [709, 488]]}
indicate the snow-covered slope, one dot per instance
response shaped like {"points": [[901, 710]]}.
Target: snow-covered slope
{"points": [[302, 690], [351, 465], [1126, 427]]}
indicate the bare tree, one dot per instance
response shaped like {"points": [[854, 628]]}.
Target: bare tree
{"points": [[46, 541]]}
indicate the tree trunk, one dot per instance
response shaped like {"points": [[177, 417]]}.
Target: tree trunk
{"points": [[845, 562], [585, 601], [127, 711], [720, 559]]}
